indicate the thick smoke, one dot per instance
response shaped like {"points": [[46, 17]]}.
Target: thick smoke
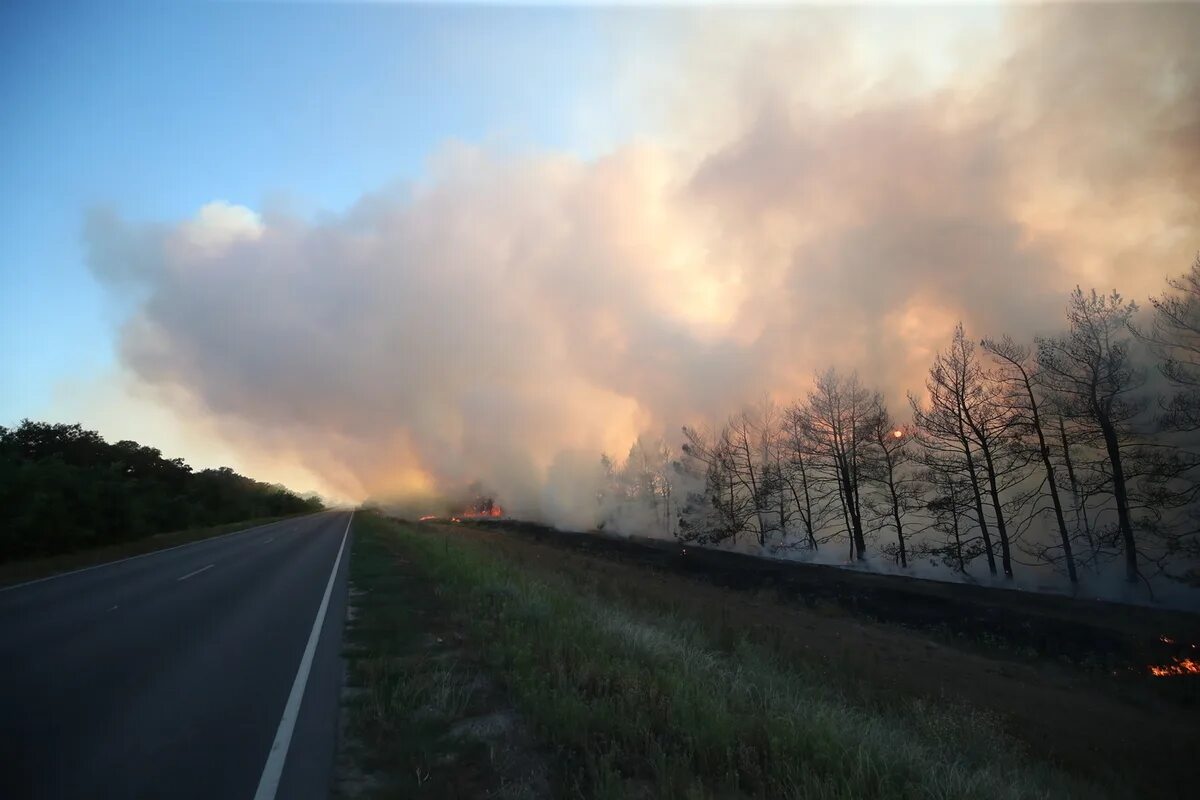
{"points": [[818, 194]]}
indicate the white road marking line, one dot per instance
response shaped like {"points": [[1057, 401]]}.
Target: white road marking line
{"points": [[114, 608], [197, 572], [142, 555], [268, 541], [268, 784]]}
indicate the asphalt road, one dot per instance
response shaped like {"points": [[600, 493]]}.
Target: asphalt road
{"points": [[167, 675]]}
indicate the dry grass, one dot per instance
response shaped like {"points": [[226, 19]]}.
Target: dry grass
{"points": [[645, 703]]}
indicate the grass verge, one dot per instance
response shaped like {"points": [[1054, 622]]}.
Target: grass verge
{"points": [[641, 702], [422, 718], [14, 572]]}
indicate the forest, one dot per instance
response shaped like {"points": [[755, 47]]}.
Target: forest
{"points": [[1076, 452], [65, 488]]}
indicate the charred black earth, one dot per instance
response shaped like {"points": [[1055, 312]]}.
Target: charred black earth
{"points": [[1123, 640]]}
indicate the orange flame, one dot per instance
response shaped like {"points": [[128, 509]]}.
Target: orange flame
{"points": [[1182, 666], [480, 510], [492, 512]]}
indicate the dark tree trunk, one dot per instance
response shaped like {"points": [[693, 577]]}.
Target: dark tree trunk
{"points": [[1044, 451], [983, 526], [895, 498], [808, 510], [1001, 528], [899, 529], [860, 543], [962, 565], [1121, 495], [845, 510], [1081, 520]]}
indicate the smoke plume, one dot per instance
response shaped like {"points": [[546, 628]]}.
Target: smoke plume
{"points": [[811, 188]]}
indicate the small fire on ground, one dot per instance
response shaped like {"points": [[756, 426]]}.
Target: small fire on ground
{"points": [[482, 508], [1180, 666]]}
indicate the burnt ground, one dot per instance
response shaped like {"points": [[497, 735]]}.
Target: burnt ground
{"points": [[1121, 639], [1067, 677]]}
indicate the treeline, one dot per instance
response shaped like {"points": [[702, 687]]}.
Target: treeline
{"points": [[63, 488], [1072, 451]]}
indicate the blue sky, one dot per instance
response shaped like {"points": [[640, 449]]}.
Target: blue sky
{"points": [[153, 110]]}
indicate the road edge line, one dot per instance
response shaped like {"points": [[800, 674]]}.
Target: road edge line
{"points": [[268, 782], [194, 573]]}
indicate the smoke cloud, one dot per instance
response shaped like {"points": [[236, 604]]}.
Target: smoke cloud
{"points": [[812, 187]]}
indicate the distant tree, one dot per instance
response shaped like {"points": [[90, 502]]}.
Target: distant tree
{"points": [[1174, 336], [813, 497], [837, 418], [641, 485], [64, 487], [892, 471], [723, 510], [1079, 492], [1097, 385], [1026, 423], [747, 437], [960, 431], [778, 509], [776, 490], [951, 536]]}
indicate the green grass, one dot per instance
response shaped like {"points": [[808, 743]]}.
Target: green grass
{"points": [[640, 704], [414, 688], [12, 572]]}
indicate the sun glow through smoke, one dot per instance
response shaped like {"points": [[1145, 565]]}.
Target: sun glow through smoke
{"points": [[510, 316]]}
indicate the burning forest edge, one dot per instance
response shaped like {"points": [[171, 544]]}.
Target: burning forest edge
{"points": [[1065, 465]]}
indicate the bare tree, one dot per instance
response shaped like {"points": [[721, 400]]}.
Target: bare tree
{"points": [[1079, 495], [811, 495], [639, 490], [749, 435], [723, 510], [837, 420], [1096, 381], [779, 495], [1174, 337], [950, 536], [892, 472], [947, 430], [1025, 419]]}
